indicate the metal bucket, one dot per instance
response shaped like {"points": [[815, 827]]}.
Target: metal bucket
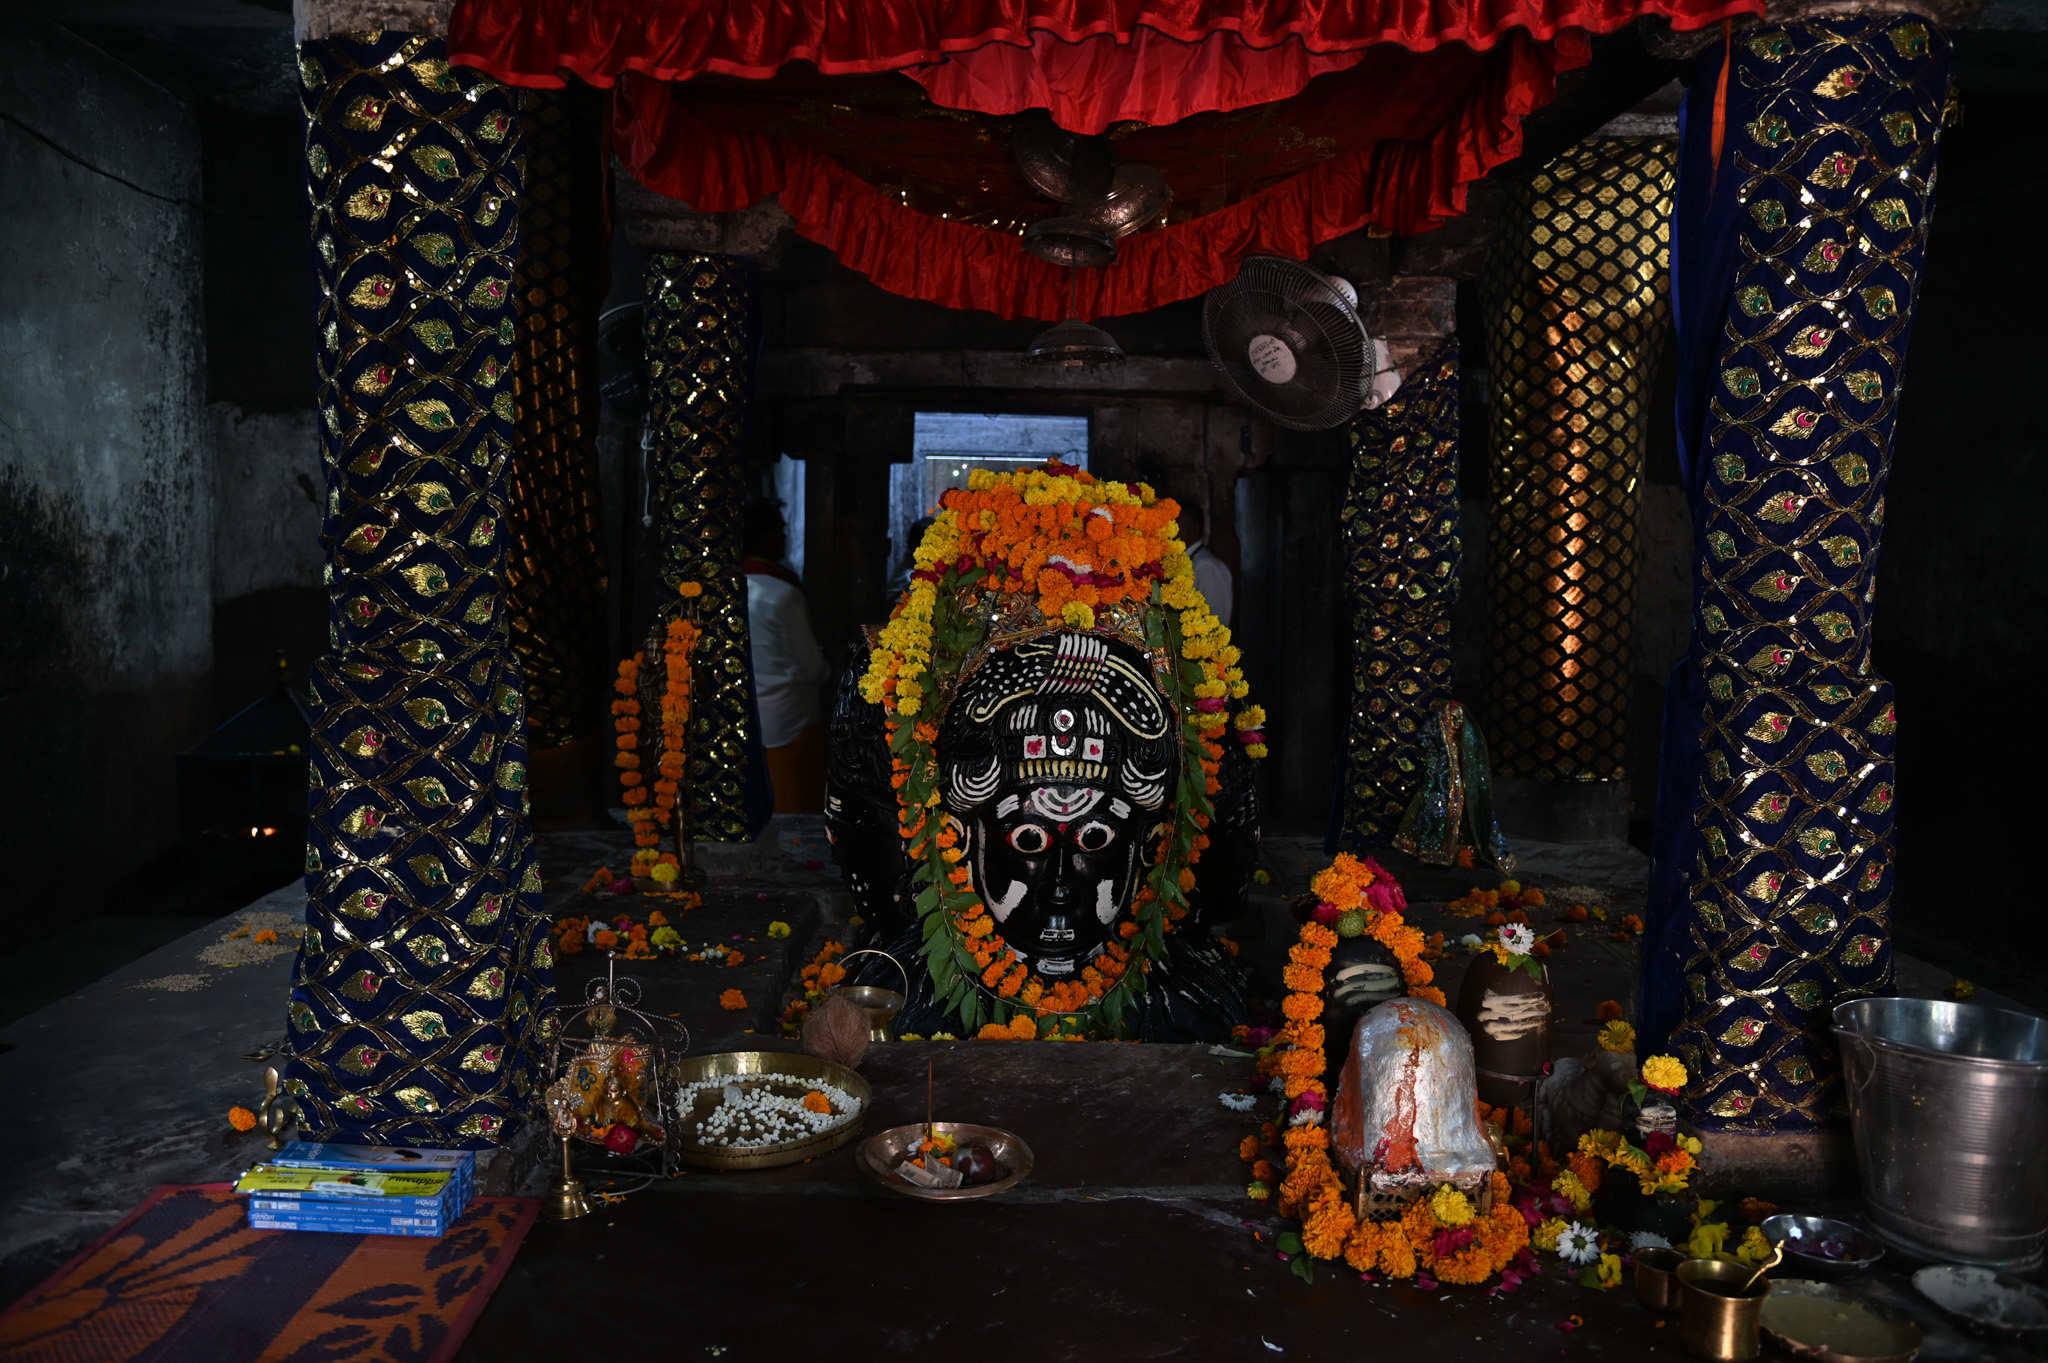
{"points": [[1950, 1103]]}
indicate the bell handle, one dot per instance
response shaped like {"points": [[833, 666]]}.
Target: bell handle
{"points": [[871, 951]]}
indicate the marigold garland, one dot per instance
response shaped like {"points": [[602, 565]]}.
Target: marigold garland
{"points": [[1071, 544], [649, 818], [1443, 1233]]}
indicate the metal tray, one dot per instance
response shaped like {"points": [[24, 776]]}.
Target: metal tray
{"points": [[741, 1065], [883, 1151], [1808, 1339]]}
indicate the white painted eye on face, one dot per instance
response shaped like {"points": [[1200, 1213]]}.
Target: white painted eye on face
{"points": [[1030, 839], [1093, 836]]}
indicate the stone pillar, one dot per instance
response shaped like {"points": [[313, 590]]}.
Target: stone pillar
{"points": [[1576, 303], [1402, 555], [426, 958], [1798, 273]]}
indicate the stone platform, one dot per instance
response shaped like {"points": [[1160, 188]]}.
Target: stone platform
{"points": [[1131, 1240]]}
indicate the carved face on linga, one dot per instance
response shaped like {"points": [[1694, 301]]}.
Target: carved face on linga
{"points": [[1058, 759]]}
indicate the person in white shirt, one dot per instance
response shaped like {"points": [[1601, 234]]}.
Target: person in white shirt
{"points": [[1212, 574], [789, 668]]}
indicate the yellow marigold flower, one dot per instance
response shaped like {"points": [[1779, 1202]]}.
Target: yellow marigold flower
{"points": [[1754, 1248], [1707, 1239], [1450, 1206], [1567, 1183], [1078, 614], [1619, 1037], [1544, 1237], [1608, 1271], [1664, 1072], [1607, 1145]]}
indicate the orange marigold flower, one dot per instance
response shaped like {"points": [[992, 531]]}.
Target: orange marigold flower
{"points": [[1302, 1007], [241, 1119], [1248, 1149], [733, 1001], [605, 939], [1610, 1011], [817, 1102], [1303, 978]]}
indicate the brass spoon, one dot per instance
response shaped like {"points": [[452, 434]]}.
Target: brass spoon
{"points": [[1777, 1257]]}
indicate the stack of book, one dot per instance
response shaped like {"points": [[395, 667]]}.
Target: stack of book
{"points": [[360, 1189]]}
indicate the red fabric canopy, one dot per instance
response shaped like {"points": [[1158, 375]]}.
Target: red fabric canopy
{"points": [[531, 42], [1278, 179], [1278, 125]]}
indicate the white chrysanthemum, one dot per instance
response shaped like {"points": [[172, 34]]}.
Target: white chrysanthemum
{"points": [[1238, 1102], [1647, 1239], [1578, 1243], [1517, 938], [1472, 941]]}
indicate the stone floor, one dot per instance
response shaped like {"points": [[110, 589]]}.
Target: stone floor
{"points": [[1132, 1239]]}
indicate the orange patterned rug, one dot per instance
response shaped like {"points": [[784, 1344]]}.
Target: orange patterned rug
{"points": [[185, 1280]]}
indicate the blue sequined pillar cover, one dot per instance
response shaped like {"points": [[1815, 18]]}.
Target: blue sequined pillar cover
{"points": [[426, 958], [700, 369], [1401, 551], [1779, 867]]}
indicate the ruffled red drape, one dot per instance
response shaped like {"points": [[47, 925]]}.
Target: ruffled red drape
{"points": [[534, 42], [1436, 93], [682, 140]]}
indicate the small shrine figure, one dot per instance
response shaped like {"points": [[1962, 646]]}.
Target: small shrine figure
{"points": [[1407, 1116]]}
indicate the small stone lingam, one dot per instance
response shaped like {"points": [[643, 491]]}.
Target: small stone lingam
{"points": [[1407, 1117]]}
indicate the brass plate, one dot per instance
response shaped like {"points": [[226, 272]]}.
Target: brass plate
{"points": [[1819, 1320], [883, 1151], [741, 1065]]}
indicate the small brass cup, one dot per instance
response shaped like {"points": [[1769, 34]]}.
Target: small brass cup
{"points": [[1712, 1323], [881, 1006], [1656, 1288]]}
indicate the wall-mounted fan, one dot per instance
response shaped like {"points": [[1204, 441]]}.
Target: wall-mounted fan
{"points": [[1290, 342]]}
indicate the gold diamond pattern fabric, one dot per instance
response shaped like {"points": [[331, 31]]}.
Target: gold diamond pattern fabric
{"points": [[1788, 911], [1402, 554], [555, 567], [426, 958], [700, 330], [1576, 296]]}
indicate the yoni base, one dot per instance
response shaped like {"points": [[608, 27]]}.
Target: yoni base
{"points": [[1777, 1166], [1376, 1193]]}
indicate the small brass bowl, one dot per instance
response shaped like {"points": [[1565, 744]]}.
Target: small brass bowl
{"points": [[881, 1006], [882, 1152], [1656, 1280], [740, 1066]]}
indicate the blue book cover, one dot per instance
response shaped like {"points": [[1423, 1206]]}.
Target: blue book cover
{"points": [[381, 1158], [263, 1222], [289, 1210], [353, 1191]]}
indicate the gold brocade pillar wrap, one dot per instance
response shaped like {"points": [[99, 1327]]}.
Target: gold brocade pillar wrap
{"points": [[426, 967], [700, 357], [1576, 300], [555, 567]]}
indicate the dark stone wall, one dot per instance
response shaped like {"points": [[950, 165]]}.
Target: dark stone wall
{"points": [[1962, 613], [106, 479]]}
